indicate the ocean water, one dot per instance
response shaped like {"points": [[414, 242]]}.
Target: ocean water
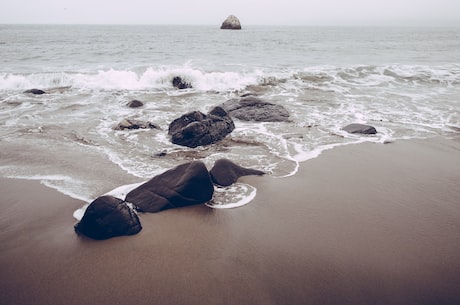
{"points": [[403, 81]]}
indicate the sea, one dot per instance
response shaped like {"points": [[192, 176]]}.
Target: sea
{"points": [[404, 81]]}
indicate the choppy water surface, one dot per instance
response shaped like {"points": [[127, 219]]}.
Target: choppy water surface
{"points": [[405, 82]]}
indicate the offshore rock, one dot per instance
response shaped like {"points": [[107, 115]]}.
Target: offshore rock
{"points": [[225, 172], [231, 23], [185, 185], [179, 83], [251, 108], [35, 91], [108, 217], [135, 124], [197, 129], [360, 128]]}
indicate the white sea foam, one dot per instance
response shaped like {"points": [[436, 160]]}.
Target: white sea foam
{"points": [[236, 195]]}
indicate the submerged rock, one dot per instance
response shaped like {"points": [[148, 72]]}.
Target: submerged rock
{"points": [[231, 23], [225, 172], [108, 217], [179, 83], [197, 129], [35, 91], [251, 108], [360, 128], [184, 185], [135, 124], [135, 104]]}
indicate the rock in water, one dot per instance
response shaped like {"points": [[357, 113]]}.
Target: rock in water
{"points": [[108, 217], [135, 104], [225, 172], [360, 128], [251, 108], [196, 129], [231, 23], [179, 83], [35, 91], [184, 185], [135, 124]]}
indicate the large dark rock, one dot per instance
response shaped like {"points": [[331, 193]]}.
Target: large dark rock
{"points": [[184, 185], [231, 23], [179, 83], [35, 91], [251, 108], [135, 124], [135, 104], [225, 172], [196, 129], [108, 217], [360, 128]]}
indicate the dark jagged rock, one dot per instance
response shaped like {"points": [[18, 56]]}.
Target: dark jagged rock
{"points": [[184, 185], [231, 23], [35, 91], [179, 83], [108, 217], [360, 128], [251, 108], [196, 129], [135, 124], [135, 104], [225, 172]]}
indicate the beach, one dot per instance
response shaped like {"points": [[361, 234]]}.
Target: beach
{"points": [[361, 224]]}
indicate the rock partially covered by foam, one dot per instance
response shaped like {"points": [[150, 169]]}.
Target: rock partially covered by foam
{"points": [[185, 185], [231, 23], [225, 172], [135, 104], [179, 83], [108, 217], [35, 91], [197, 129], [360, 129], [251, 108], [135, 124]]}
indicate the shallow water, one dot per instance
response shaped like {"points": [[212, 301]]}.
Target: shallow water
{"points": [[403, 81]]}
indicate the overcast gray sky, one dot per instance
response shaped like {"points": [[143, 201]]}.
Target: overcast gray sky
{"points": [[250, 12]]}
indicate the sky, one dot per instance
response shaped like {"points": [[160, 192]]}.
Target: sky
{"points": [[250, 12]]}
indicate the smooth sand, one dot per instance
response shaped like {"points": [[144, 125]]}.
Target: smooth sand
{"points": [[362, 224]]}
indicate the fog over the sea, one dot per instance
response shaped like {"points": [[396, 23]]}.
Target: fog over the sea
{"points": [[254, 12]]}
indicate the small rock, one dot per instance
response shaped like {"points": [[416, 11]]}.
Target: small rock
{"points": [[135, 124], [225, 172], [251, 108], [35, 91], [135, 104], [360, 128], [179, 83]]}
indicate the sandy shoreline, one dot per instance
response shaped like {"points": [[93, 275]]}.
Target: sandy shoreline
{"points": [[361, 224]]}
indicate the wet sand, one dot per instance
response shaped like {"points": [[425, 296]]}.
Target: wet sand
{"points": [[361, 224]]}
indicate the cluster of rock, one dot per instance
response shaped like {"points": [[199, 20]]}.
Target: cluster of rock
{"points": [[185, 185]]}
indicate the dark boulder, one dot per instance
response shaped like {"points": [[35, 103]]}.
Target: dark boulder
{"points": [[196, 129], [184, 185], [360, 128], [35, 91], [225, 172], [108, 217], [135, 124], [135, 104], [231, 23], [179, 83], [251, 108]]}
